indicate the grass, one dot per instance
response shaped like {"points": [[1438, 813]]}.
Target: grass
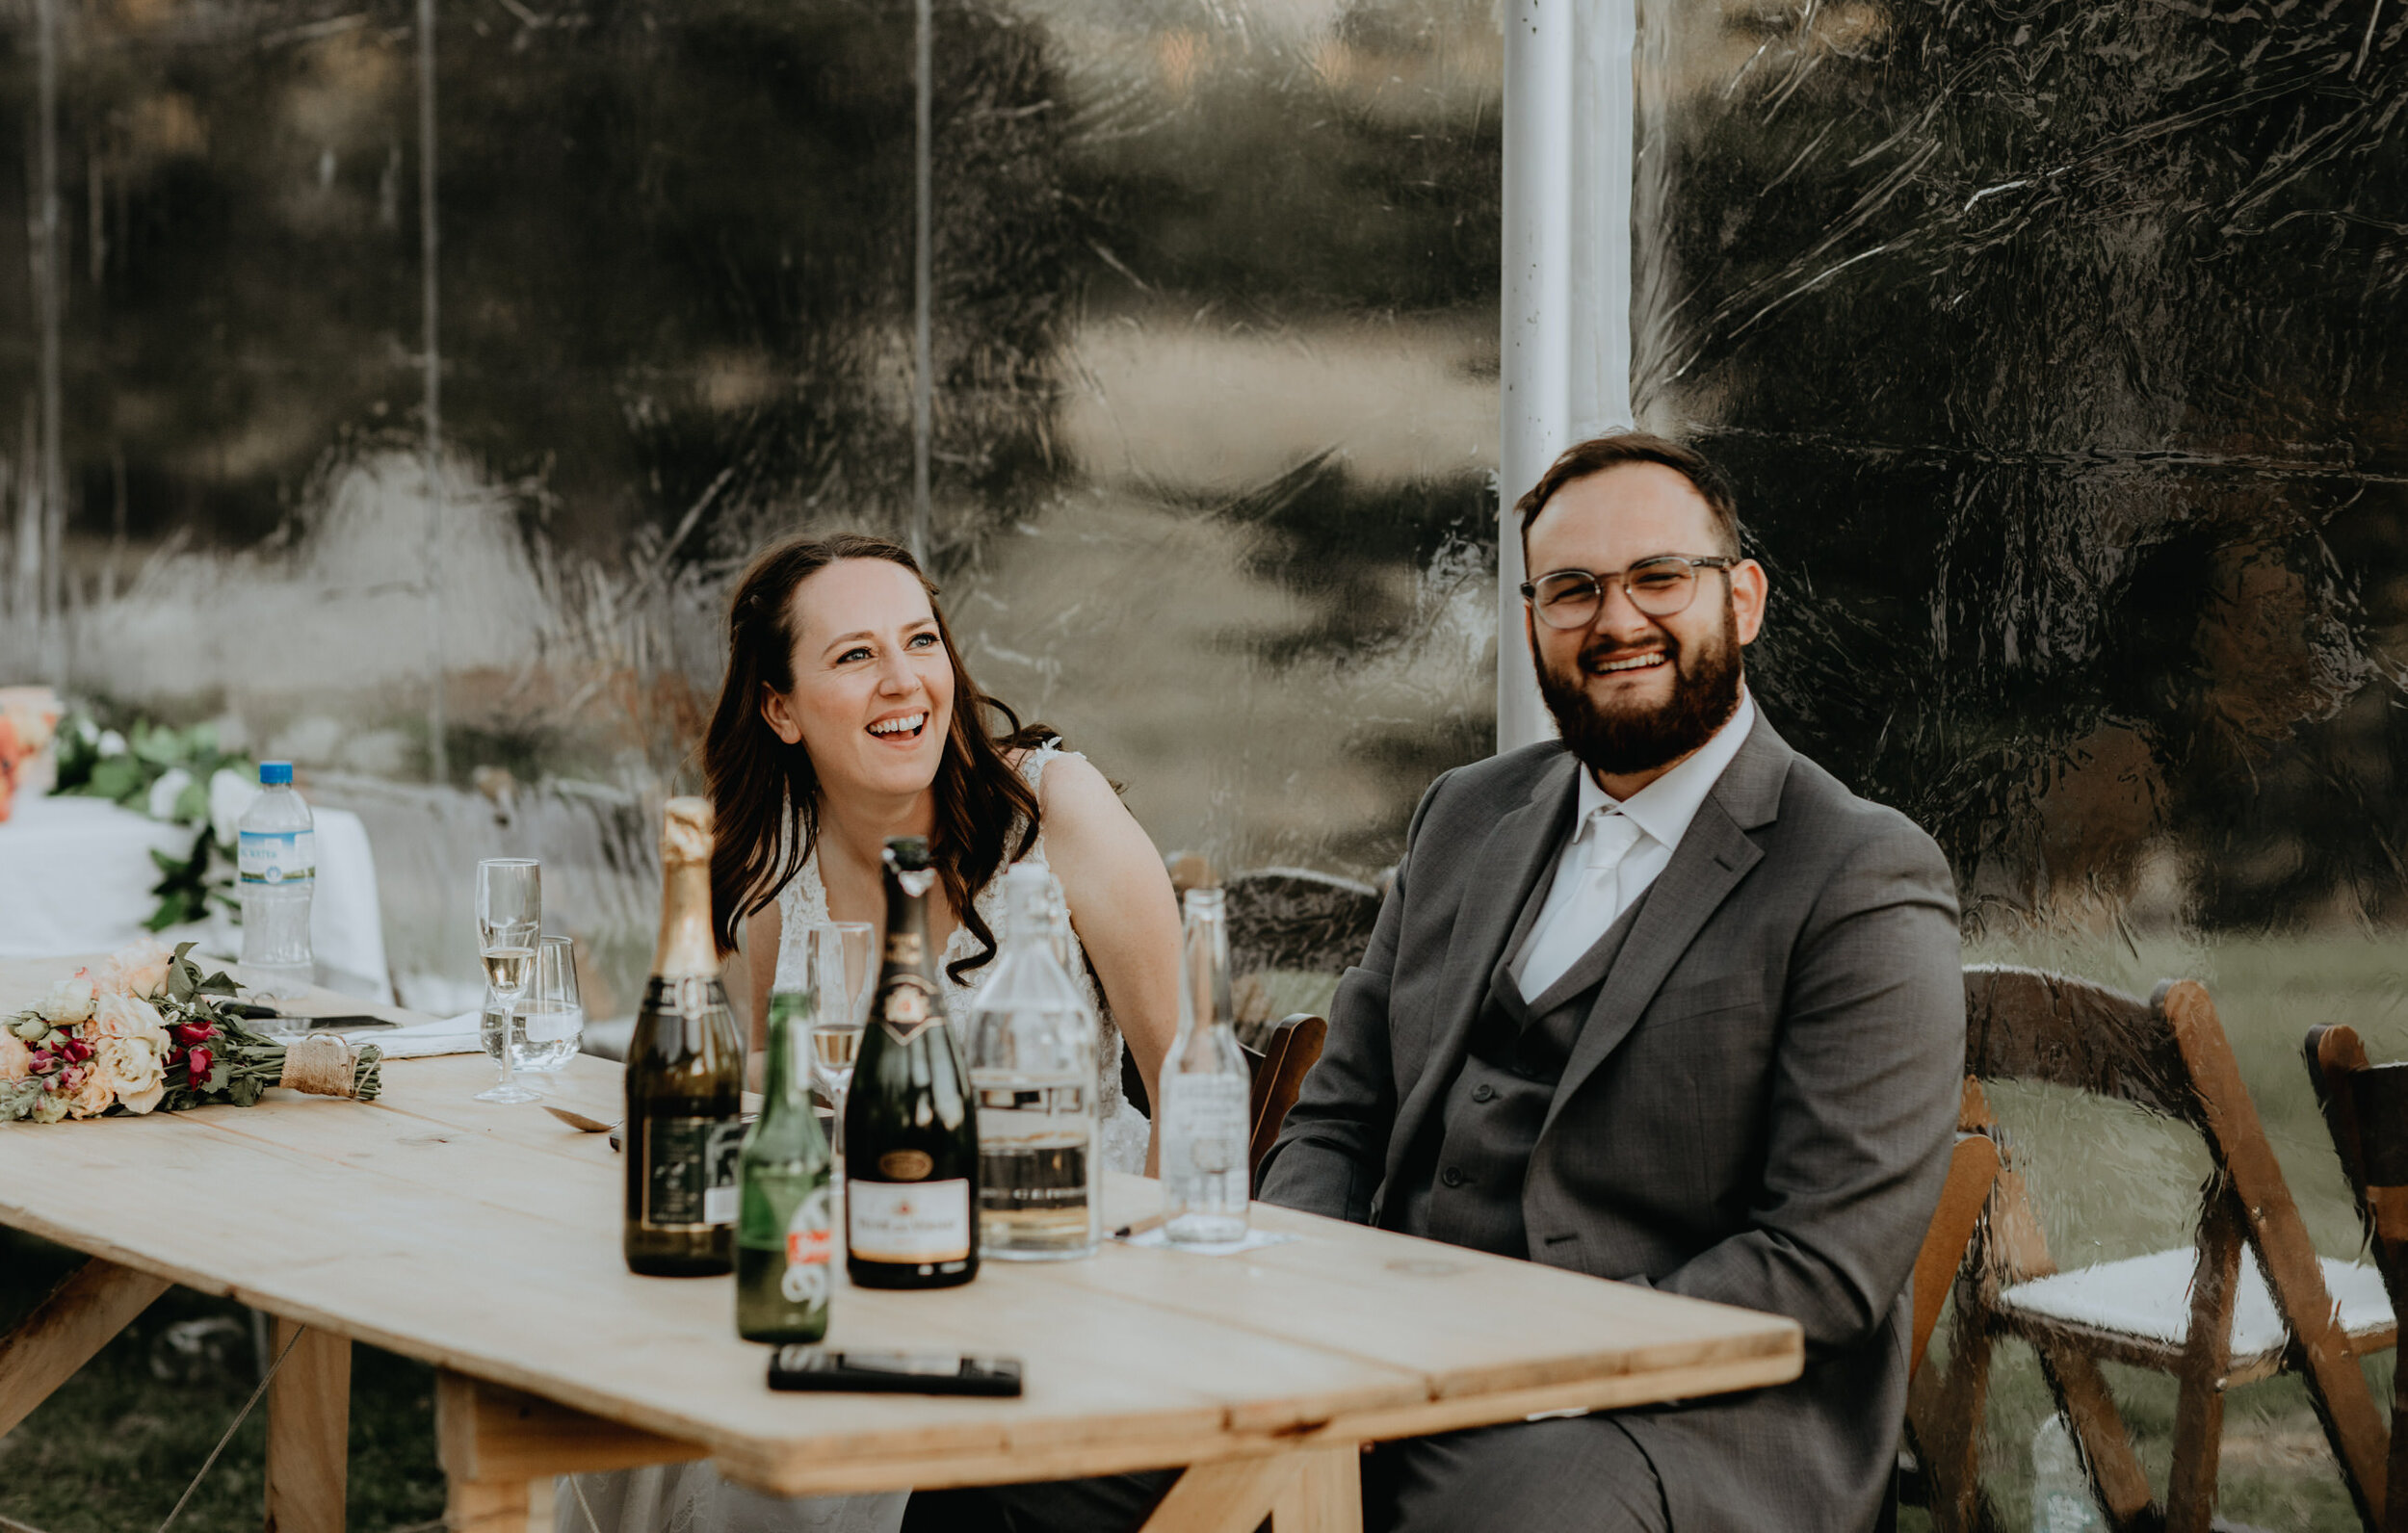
{"points": [[115, 1447]]}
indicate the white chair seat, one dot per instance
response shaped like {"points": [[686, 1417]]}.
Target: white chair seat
{"points": [[2147, 1300]]}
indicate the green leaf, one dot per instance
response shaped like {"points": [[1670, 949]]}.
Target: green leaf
{"points": [[245, 1091]]}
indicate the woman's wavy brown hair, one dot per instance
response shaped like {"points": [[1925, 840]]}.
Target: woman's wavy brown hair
{"points": [[765, 796]]}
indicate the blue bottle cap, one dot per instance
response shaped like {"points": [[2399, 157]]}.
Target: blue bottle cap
{"points": [[273, 773]]}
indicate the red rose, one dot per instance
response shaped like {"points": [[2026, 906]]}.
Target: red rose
{"points": [[197, 1066], [189, 1033], [76, 1049], [46, 1061]]}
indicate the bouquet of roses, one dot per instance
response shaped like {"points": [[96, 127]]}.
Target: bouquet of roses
{"points": [[150, 1032]]}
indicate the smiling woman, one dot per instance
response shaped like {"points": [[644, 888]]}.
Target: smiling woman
{"points": [[846, 718]]}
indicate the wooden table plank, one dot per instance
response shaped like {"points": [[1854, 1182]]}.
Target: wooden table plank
{"points": [[484, 1238]]}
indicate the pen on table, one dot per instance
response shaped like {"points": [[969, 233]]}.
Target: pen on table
{"points": [[1153, 1221]]}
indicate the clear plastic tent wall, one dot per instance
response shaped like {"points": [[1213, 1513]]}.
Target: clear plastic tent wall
{"points": [[1214, 334], [2057, 352]]}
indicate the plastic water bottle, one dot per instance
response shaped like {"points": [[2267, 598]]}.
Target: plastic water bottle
{"points": [[279, 873], [1204, 1121], [2060, 1491]]}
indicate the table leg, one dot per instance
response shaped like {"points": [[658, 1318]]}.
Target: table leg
{"points": [[97, 1302], [500, 1449], [1326, 1496], [519, 1506], [309, 1413], [1308, 1491]]}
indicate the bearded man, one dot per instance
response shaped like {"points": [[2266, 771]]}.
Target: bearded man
{"points": [[1662, 1002]]}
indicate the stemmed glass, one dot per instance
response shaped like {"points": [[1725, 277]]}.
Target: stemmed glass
{"points": [[510, 921], [837, 963]]}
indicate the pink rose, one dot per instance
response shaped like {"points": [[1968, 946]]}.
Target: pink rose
{"points": [[16, 1061], [138, 970], [94, 1095]]}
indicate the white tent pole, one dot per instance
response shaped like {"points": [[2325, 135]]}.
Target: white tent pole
{"points": [[1565, 347]]}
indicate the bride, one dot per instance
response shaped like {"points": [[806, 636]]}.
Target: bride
{"points": [[846, 718]]}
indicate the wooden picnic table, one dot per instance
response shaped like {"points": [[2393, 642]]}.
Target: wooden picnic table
{"points": [[484, 1240]]}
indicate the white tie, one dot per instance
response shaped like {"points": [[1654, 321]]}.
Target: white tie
{"points": [[1574, 927]]}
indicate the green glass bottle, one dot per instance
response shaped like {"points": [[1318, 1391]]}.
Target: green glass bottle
{"points": [[785, 1242], [685, 1078], [911, 1130]]}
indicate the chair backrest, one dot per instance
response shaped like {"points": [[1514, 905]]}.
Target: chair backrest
{"points": [[1295, 918], [1290, 1050], [2031, 1024], [2366, 1112]]}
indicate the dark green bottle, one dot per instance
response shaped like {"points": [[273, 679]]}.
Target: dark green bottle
{"points": [[911, 1132], [785, 1242], [685, 1078]]}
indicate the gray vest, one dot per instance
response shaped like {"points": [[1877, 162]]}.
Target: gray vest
{"points": [[1463, 1183]]}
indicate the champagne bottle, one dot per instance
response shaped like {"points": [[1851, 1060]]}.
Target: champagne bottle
{"points": [[783, 1274], [685, 1075], [912, 1133]]}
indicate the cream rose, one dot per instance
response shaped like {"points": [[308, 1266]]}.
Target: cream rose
{"points": [[16, 1061], [137, 971], [140, 1081], [125, 1017], [67, 1002]]}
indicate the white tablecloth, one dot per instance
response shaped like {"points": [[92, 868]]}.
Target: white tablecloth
{"points": [[75, 877]]}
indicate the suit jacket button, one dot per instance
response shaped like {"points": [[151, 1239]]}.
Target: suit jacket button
{"points": [[1483, 1092], [1451, 1176]]}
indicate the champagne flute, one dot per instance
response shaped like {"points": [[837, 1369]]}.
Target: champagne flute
{"points": [[510, 923], [837, 962]]}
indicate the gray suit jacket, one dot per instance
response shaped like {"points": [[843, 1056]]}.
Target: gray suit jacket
{"points": [[1757, 1110]]}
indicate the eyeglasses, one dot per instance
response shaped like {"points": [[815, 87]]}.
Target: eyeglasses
{"points": [[1662, 587]]}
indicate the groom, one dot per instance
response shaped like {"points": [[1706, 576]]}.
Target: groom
{"points": [[1662, 1003]]}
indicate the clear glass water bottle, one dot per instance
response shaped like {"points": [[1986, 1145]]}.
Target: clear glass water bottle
{"points": [[1031, 1042], [278, 870], [2061, 1501], [1206, 1088]]}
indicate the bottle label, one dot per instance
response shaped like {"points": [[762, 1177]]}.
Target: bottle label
{"points": [[905, 1008], [1204, 1124], [278, 856], [913, 1222], [810, 1247], [690, 1172], [903, 947]]}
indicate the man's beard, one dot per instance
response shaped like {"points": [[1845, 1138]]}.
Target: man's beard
{"points": [[1619, 741]]}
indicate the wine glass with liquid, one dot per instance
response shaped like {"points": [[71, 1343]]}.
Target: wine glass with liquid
{"points": [[509, 928], [839, 963]]}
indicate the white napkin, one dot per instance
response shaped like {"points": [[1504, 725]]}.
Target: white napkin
{"points": [[423, 1040]]}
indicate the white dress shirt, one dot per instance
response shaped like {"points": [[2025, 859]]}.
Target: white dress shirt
{"points": [[1616, 850]]}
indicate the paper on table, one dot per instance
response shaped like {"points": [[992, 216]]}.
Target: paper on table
{"points": [[423, 1040], [1255, 1241]]}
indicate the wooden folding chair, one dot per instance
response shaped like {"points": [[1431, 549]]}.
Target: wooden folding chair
{"points": [[2204, 1315], [2365, 1112], [1973, 1170], [1290, 1048]]}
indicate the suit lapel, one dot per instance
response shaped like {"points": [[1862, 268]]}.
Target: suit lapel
{"points": [[1519, 849], [1714, 855]]}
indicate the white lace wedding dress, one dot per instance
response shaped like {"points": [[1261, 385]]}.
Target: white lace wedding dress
{"points": [[804, 901], [694, 1497]]}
